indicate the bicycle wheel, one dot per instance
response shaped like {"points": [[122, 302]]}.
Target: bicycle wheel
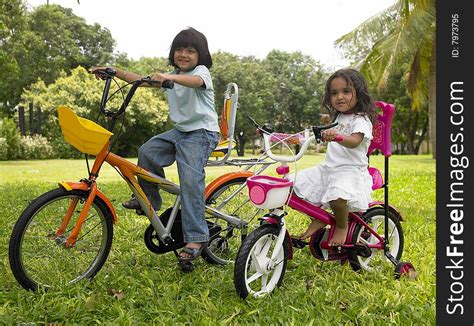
{"points": [[230, 197], [254, 271], [376, 219], [39, 259]]}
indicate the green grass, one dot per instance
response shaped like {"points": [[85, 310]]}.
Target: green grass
{"points": [[152, 290]]}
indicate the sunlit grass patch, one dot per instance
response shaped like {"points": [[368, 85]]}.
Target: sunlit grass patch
{"points": [[136, 286]]}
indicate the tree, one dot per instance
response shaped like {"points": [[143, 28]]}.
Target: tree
{"points": [[404, 30], [299, 89], [410, 127], [145, 115], [13, 22], [51, 39], [255, 89]]}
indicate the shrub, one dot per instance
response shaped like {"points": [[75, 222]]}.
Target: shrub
{"points": [[35, 147], [64, 150], [10, 132], [3, 149]]}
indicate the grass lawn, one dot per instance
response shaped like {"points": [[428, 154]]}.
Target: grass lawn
{"points": [[153, 291]]}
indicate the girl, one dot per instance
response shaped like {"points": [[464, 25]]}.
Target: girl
{"points": [[342, 181], [190, 142]]}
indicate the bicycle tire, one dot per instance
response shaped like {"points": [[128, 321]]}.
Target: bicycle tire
{"points": [[260, 245], [376, 219], [38, 259], [225, 239]]}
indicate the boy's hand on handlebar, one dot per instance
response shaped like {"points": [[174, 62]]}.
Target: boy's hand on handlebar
{"points": [[102, 72], [159, 77], [163, 80]]}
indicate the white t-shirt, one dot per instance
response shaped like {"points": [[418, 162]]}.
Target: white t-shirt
{"points": [[193, 108], [338, 155]]}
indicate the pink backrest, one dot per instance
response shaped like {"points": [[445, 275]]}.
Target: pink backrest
{"points": [[381, 132], [377, 179]]}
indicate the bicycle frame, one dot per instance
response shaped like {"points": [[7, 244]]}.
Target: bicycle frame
{"points": [[317, 212], [130, 172]]}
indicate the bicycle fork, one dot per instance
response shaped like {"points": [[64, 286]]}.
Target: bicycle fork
{"points": [[71, 240], [276, 217]]}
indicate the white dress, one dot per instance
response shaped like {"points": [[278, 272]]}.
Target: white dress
{"points": [[343, 174]]}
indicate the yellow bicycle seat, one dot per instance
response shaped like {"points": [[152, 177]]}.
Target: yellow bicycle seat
{"points": [[85, 135]]}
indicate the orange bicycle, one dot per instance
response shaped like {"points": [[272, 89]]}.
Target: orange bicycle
{"points": [[65, 235]]}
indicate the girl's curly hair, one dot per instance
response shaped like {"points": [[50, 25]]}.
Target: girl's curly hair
{"points": [[365, 103]]}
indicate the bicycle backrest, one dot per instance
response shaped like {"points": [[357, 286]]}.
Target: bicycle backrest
{"points": [[227, 124], [382, 128]]}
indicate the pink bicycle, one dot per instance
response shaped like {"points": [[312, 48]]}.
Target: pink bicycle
{"points": [[372, 235]]}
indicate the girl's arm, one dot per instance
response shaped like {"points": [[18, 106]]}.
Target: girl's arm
{"points": [[351, 141]]}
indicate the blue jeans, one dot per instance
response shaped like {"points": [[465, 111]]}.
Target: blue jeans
{"points": [[190, 150]]}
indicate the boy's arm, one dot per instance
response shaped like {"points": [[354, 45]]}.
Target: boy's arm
{"points": [[192, 81]]}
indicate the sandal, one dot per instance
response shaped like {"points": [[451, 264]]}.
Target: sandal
{"points": [[193, 252], [132, 203]]}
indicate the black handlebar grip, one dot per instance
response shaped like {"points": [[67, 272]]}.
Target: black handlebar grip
{"points": [[267, 128], [167, 84]]}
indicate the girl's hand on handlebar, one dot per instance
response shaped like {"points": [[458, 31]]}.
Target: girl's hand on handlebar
{"points": [[351, 141], [330, 135]]}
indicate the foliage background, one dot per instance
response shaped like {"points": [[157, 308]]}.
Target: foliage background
{"points": [[42, 50]]}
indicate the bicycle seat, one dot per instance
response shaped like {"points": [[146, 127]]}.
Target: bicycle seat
{"points": [[85, 135], [227, 124]]}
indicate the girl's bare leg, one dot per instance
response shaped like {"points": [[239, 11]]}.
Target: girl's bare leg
{"points": [[341, 211], [312, 229]]}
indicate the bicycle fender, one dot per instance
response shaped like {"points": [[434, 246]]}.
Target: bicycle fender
{"points": [[390, 207], [68, 186], [224, 178]]}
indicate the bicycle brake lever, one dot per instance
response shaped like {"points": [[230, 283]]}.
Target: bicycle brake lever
{"points": [[317, 130]]}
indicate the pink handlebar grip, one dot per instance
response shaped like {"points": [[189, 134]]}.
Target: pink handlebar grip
{"points": [[339, 138]]}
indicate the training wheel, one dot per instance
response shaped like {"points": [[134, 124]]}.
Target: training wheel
{"points": [[405, 269]]}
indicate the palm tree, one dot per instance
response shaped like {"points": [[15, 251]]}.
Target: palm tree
{"points": [[404, 30]]}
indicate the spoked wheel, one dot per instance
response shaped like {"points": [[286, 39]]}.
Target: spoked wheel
{"points": [[255, 273], [376, 219], [40, 259], [231, 198]]}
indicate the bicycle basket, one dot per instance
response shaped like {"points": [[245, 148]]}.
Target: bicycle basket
{"points": [[85, 135], [268, 192]]}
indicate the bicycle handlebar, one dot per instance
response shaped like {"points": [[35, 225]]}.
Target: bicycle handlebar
{"points": [[108, 74], [268, 136]]}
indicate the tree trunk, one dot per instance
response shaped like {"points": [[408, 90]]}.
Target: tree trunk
{"points": [[432, 101], [241, 144]]}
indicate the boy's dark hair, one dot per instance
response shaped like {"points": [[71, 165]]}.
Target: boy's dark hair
{"points": [[191, 38], [365, 103]]}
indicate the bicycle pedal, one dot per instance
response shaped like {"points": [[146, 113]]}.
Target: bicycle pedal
{"points": [[186, 266], [298, 243], [139, 211]]}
